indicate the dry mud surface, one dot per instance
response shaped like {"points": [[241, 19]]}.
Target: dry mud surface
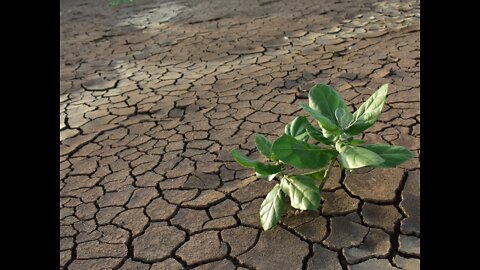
{"points": [[155, 94]]}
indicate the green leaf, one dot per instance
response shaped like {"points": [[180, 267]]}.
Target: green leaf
{"points": [[323, 121], [264, 145], [352, 157], [344, 117], [356, 142], [317, 135], [301, 154], [261, 168], [296, 128], [331, 134], [318, 175], [243, 160], [267, 169], [303, 193], [392, 154], [338, 114], [272, 207], [324, 99], [369, 112]]}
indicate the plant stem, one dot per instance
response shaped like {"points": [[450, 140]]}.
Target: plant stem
{"points": [[327, 173]]}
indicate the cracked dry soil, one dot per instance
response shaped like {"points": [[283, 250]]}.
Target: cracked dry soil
{"points": [[154, 95]]}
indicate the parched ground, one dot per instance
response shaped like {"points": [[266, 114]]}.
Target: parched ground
{"points": [[154, 95]]}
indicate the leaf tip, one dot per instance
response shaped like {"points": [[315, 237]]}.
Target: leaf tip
{"points": [[265, 227], [384, 88]]}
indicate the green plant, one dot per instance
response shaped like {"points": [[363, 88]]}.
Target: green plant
{"points": [[297, 164]]}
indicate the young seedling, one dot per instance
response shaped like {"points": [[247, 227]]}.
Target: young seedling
{"points": [[296, 164]]}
